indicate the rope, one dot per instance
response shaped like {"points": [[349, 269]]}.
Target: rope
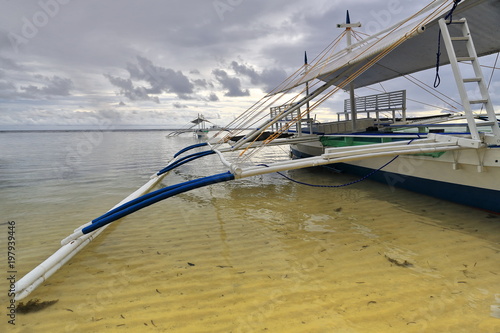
{"points": [[437, 80], [491, 78], [343, 185], [353, 76]]}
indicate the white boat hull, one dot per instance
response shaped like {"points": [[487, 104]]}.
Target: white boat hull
{"points": [[468, 176]]}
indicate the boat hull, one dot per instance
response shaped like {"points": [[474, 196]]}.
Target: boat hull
{"points": [[469, 177]]}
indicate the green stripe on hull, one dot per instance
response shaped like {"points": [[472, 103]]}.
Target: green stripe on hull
{"points": [[349, 141]]}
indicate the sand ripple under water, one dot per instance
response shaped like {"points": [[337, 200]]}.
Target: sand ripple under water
{"points": [[254, 255]]}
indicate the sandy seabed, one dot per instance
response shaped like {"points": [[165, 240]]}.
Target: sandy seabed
{"points": [[260, 255]]}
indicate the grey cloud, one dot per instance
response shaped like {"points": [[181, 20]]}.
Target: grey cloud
{"points": [[181, 43], [213, 97], [113, 115], [54, 86], [232, 84], [128, 90], [9, 64], [201, 83], [160, 80], [7, 90], [269, 78], [178, 105]]}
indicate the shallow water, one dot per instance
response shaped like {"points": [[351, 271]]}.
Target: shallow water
{"points": [[259, 254]]}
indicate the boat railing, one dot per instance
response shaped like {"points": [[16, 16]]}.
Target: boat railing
{"points": [[295, 118], [375, 104]]}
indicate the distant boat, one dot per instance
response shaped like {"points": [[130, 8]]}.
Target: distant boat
{"points": [[201, 132], [199, 128]]}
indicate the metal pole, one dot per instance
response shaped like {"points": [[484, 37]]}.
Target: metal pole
{"points": [[348, 26]]}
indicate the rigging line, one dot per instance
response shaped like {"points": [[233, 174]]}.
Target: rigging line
{"points": [[290, 101], [326, 51], [414, 100], [358, 72], [426, 85], [318, 62], [493, 71], [291, 78], [396, 27], [302, 70], [375, 59], [486, 66], [343, 185], [266, 126], [284, 128], [402, 23], [491, 78], [358, 33], [430, 92], [263, 100], [415, 27], [245, 120], [344, 83], [329, 48], [435, 90], [383, 88], [309, 67], [235, 122]]}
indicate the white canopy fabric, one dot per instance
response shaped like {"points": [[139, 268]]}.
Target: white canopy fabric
{"points": [[416, 53]]}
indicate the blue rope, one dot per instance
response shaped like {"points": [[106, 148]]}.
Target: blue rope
{"points": [[343, 185], [335, 186], [437, 80]]}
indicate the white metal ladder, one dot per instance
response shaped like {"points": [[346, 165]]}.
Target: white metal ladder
{"points": [[470, 57]]}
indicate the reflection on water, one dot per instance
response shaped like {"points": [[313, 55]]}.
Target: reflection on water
{"points": [[259, 254]]}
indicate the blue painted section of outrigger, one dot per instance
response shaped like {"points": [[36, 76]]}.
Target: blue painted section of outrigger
{"points": [[198, 145], [185, 160], [154, 197], [161, 194]]}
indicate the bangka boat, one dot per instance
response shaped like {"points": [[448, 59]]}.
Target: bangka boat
{"points": [[456, 157], [197, 127]]}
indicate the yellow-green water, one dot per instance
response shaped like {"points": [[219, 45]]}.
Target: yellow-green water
{"points": [[254, 255]]}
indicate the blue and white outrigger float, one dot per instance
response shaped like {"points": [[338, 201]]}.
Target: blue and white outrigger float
{"points": [[418, 154]]}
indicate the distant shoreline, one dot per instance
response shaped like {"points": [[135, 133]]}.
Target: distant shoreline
{"points": [[98, 130], [87, 130]]}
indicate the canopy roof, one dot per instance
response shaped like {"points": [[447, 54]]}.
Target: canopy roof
{"points": [[416, 53]]}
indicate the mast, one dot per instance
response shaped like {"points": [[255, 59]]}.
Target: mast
{"points": [[306, 67], [348, 27]]}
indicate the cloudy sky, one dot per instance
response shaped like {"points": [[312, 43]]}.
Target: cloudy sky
{"points": [[152, 63]]}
